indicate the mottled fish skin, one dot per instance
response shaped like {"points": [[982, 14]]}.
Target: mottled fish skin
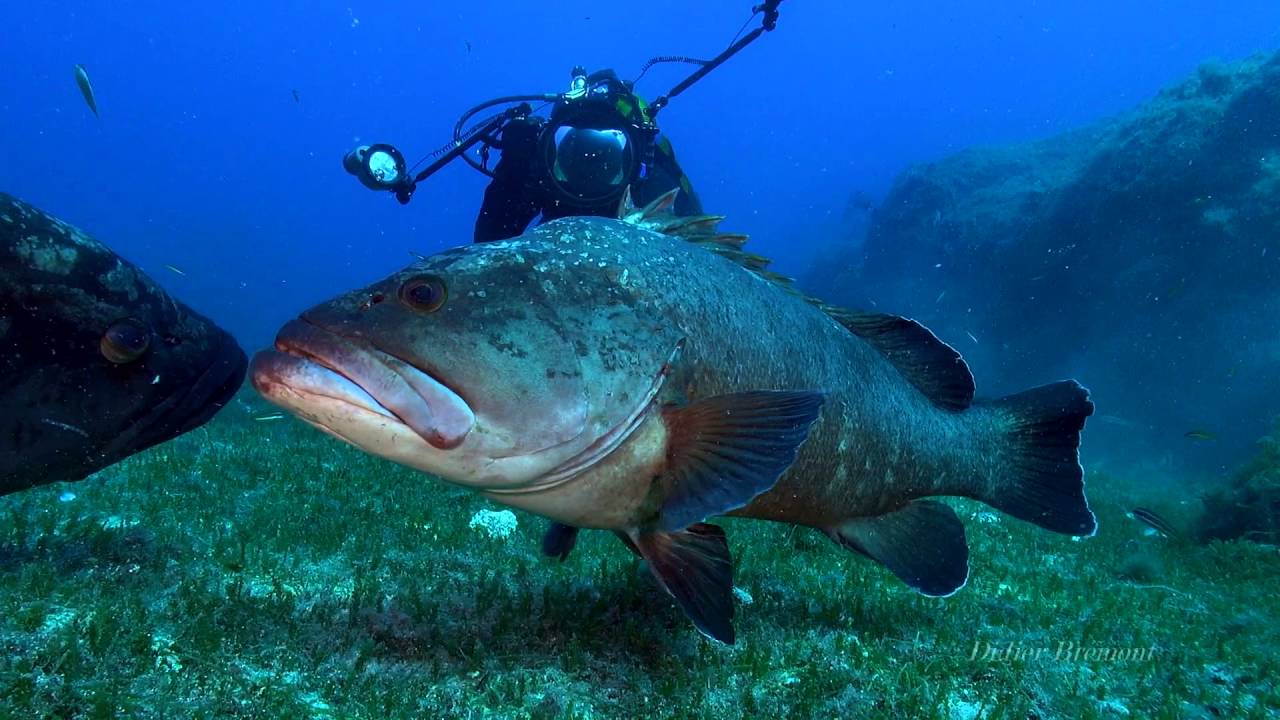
{"points": [[607, 374], [880, 442], [591, 308], [68, 410]]}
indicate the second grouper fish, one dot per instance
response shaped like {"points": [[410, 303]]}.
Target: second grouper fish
{"points": [[97, 361], [643, 374]]}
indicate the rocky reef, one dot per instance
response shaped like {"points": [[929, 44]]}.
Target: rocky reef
{"points": [[1141, 254]]}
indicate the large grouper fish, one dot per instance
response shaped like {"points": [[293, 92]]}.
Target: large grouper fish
{"points": [[643, 374], [97, 362]]}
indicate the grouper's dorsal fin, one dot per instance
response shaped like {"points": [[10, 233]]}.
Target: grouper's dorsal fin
{"points": [[702, 230], [628, 212], [932, 366]]}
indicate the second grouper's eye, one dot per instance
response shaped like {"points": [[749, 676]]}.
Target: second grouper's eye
{"points": [[425, 293], [125, 341]]}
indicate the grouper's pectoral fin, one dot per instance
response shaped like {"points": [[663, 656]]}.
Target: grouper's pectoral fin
{"points": [[694, 566], [922, 543], [724, 451]]}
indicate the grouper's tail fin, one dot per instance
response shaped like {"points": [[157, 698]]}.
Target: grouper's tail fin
{"points": [[1042, 481]]}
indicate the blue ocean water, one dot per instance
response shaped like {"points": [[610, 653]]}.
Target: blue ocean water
{"points": [[203, 160], [885, 155]]}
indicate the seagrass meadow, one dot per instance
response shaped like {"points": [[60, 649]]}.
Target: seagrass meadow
{"points": [[258, 569]]}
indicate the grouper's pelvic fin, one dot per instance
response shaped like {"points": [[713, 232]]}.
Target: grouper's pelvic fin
{"points": [[559, 540], [922, 543], [722, 452], [694, 566], [1041, 480]]}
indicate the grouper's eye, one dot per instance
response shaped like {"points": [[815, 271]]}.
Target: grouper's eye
{"points": [[424, 293], [125, 341]]}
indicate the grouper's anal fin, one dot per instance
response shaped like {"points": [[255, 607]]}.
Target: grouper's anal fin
{"points": [[922, 543], [930, 365]]}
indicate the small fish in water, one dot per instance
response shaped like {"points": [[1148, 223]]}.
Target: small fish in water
{"points": [[1155, 522], [67, 497], [86, 384], [86, 89], [1201, 435], [467, 44], [851, 422], [296, 97], [174, 269], [971, 337], [273, 416], [417, 255]]}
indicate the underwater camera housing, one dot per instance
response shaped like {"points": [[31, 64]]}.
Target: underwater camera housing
{"points": [[597, 141]]}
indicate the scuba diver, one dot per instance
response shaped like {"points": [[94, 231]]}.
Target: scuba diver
{"points": [[599, 139]]}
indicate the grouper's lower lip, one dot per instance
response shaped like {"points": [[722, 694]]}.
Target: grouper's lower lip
{"points": [[324, 368]]}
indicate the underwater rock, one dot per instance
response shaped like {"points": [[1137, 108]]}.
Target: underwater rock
{"points": [[1141, 254]]}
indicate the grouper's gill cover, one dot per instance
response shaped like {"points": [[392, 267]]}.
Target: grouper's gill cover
{"points": [[545, 367]]}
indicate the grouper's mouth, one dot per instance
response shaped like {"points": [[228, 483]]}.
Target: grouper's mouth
{"points": [[314, 372]]}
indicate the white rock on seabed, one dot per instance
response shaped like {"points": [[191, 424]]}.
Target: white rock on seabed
{"points": [[496, 523]]}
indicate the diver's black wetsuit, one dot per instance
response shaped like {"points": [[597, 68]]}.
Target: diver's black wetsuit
{"points": [[519, 191]]}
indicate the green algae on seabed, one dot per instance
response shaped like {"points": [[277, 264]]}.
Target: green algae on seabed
{"points": [[251, 570], [1247, 506]]}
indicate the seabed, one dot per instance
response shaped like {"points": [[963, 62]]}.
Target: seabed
{"points": [[259, 569]]}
